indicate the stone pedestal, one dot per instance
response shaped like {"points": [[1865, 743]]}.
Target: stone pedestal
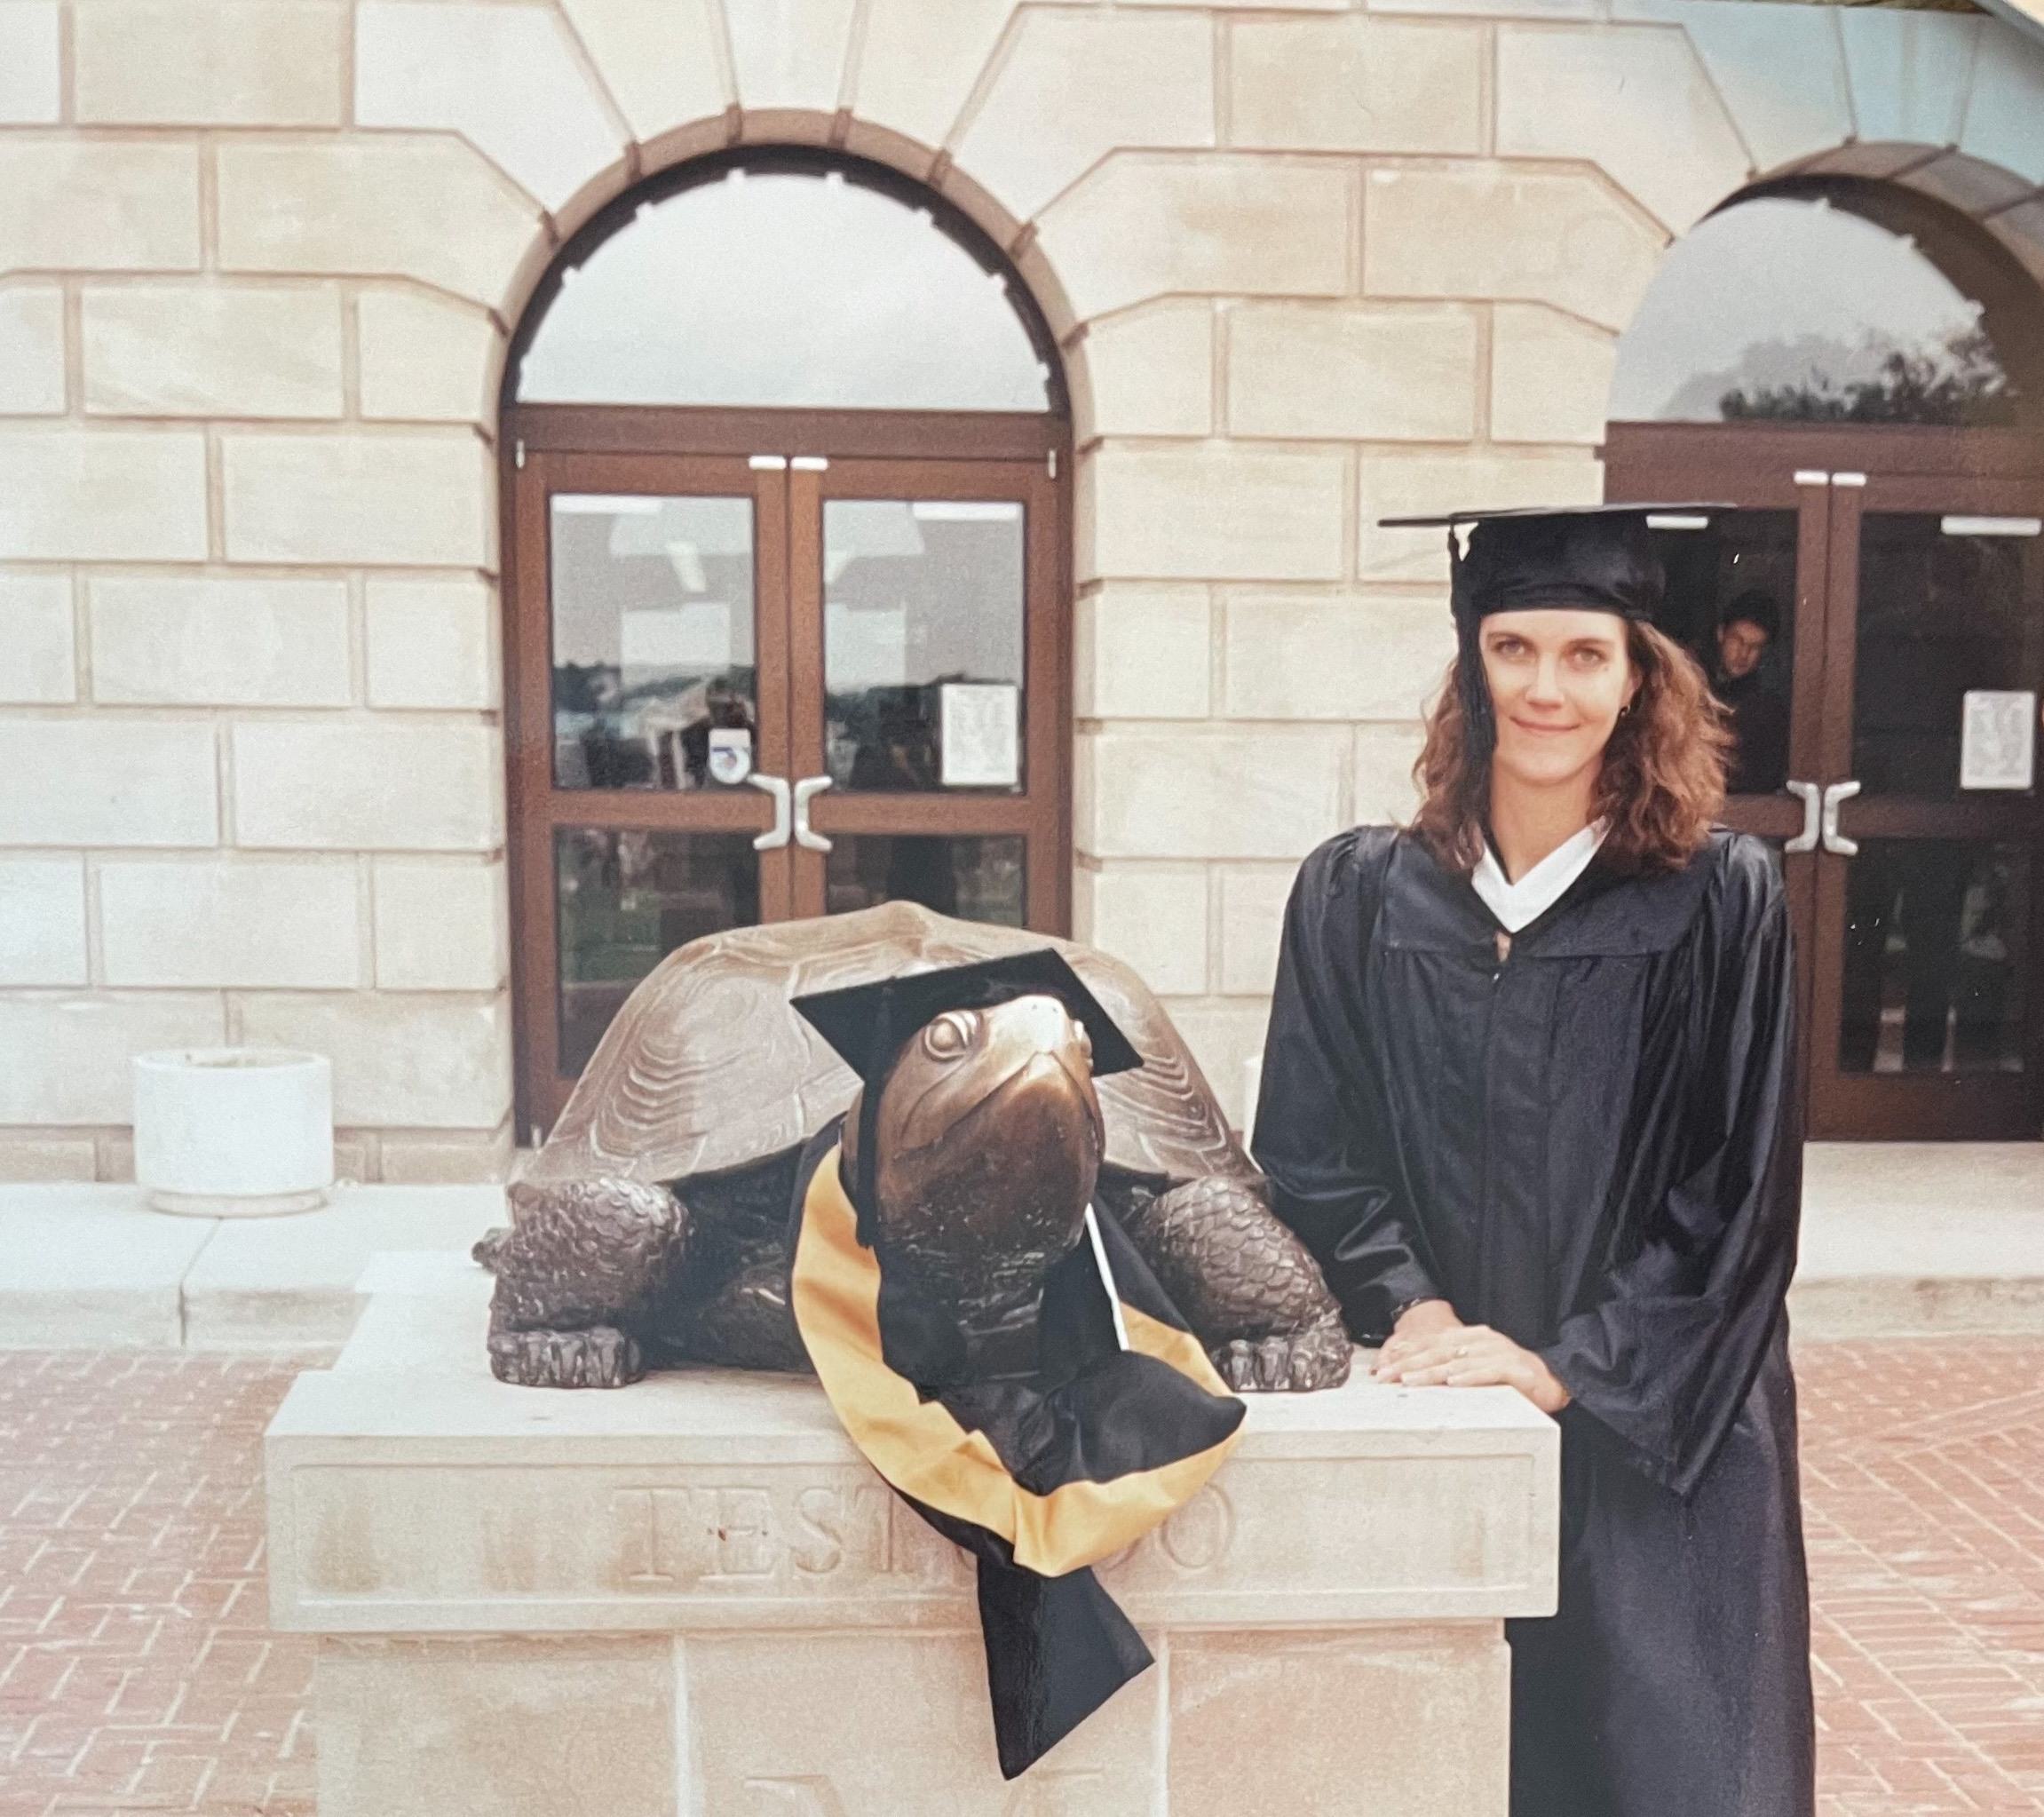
{"points": [[693, 1597]]}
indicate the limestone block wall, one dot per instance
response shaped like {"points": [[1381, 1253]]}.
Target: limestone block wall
{"points": [[1310, 264]]}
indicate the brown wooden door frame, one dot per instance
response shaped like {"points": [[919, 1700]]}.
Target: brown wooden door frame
{"points": [[1889, 469], [1924, 1106], [1762, 458], [993, 435], [547, 448]]}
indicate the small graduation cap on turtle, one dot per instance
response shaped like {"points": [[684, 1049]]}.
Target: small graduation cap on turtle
{"points": [[868, 1024], [1597, 557]]}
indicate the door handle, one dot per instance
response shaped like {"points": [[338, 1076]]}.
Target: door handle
{"points": [[805, 836], [1807, 793], [776, 836], [1835, 840]]}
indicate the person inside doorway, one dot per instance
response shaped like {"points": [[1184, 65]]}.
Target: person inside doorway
{"points": [[1529, 1094], [1742, 680]]}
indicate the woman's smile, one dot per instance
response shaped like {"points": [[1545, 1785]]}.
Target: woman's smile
{"points": [[1558, 676]]}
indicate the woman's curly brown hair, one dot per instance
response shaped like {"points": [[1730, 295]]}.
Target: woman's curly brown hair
{"points": [[1662, 784]]}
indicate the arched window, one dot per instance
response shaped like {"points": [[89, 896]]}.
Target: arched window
{"points": [[1795, 308], [788, 634], [785, 288]]}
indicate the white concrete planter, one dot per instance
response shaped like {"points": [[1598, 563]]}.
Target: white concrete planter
{"points": [[234, 1131]]}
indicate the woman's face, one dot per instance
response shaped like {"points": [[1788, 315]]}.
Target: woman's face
{"points": [[1559, 678]]}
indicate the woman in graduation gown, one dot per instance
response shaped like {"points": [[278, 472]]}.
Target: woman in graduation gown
{"points": [[1529, 1093]]}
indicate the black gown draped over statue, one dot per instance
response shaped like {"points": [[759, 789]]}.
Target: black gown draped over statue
{"points": [[1593, 1146]]}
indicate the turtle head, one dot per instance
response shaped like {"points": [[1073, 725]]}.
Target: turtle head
{"points": [[988, 1143]]}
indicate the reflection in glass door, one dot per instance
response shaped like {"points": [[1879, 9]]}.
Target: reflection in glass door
{"points": [[646, 635], [924, 615], [927, 693], [654, 657], [655, 678]]}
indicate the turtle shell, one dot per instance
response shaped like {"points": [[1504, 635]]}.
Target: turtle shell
{"points": [[707, 1067]]}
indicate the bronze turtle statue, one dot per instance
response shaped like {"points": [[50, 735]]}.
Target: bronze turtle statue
{"points": [[651, 1229]]}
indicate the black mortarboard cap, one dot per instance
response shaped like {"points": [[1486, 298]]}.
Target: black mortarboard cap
{"points": [[868, 1024], [1595, 558]]}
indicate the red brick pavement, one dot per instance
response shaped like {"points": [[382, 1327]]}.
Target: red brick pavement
{"points": [[137, 1672], [1924, 1491]]}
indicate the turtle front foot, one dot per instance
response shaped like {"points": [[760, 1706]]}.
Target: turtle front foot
{"points": [[1297, 1362], [747, 1324], [600, 1357]]}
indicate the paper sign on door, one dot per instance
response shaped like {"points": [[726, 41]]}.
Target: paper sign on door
{"points": [[980, 734], [1999, 748]]}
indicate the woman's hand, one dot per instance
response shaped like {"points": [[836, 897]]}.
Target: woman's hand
{"points": [[1469, 1356], [1422, 1320]]}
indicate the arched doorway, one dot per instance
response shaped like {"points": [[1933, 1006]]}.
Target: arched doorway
{"points": [[1856, 370], [785, 481]]}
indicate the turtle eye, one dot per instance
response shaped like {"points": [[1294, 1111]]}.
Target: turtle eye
{"points": [[950, 1035]]}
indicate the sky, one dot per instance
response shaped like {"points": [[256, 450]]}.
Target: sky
{"points": [[784, 289], [1748, 292]]}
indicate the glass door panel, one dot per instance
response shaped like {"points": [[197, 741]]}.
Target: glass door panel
{"points": [[627, 898], [1747, 586], [923, 614], [1944, 612], [655, 682], [647, 655], [975, 879], [1936, 958], [1732, 602], [927, 671], [1925, 1010]]}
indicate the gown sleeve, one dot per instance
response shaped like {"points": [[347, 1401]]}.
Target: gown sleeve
{"points": [[1667, 1355], [1320, 1123]]}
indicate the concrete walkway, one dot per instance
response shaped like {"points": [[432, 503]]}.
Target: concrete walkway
{"points": [[1897, 1237], [93, 1266], [1920, 1238]]}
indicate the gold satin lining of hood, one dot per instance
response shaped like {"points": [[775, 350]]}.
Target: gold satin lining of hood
{"points": [[922, 1451]]}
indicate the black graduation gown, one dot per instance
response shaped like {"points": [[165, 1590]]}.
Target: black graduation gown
{"points": [[1595, 1148]]}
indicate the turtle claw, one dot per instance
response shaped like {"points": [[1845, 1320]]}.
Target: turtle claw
{"points": [[600, 1357], [1292, 1361]]}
